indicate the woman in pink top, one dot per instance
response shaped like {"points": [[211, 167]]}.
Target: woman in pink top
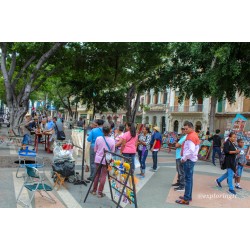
{"points": [[129, 142], [101, 143]]}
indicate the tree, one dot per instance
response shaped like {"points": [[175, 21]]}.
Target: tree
{"points": [[216, 70], [25, 67]]}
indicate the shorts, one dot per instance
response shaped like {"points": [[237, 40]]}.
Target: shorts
{"points": [[239, 170]]}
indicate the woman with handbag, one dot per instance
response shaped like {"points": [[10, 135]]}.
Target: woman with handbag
{"points": [[231, 152], [143, 147], [129, 143], [101, 143]]}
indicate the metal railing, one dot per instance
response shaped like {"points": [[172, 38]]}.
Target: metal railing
{"points": [[194, 108]]}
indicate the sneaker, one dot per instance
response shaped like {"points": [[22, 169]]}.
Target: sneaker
{"points": [[89, 178], [218, 183], [180, 189], [238, 187], [182, 198], [232, 192], [176, 184], [155, 170], [214, 163], [182, 202]]}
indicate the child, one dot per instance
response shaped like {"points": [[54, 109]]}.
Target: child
{"points": [[241, 162], [102, 142]]}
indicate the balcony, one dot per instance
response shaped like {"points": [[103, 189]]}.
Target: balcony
{"points": [[186, 109]]}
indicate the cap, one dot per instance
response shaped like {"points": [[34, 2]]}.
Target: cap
{"points": [[27, 115]]}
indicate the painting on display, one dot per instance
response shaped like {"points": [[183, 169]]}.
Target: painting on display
{"points": [[204, 150], [239, 123]]}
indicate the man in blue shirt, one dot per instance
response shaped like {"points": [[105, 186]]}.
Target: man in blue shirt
{"points": [[180, 184], [96, 132]]}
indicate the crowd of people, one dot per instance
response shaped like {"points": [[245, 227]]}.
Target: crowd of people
{"points": [[42, 125], [127, 141]]}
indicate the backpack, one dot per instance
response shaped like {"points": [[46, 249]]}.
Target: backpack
{"points": [[222, 161]]}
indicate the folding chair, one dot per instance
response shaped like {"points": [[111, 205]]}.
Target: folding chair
{"points": [[34, 183], [30, 158]]}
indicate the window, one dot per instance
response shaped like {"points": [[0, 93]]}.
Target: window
{"points": [[176, 126]]}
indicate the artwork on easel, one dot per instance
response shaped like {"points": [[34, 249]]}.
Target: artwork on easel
{"points": [[204, 151]]}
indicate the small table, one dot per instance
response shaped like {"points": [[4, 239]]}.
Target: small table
{"points": [[47, 137], [37, 135]]}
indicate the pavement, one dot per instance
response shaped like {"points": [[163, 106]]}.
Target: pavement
{"points": [[153, 191]]}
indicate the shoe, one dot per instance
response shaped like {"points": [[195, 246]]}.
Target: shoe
{"points": [[182, 202], [238, 187], [92, 192], [176, 184], [101, 195], [90, 179], [218, 183], [214, 164], [232, 192], [182, 198], [180, 189]]}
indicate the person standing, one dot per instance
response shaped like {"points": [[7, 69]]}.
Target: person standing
{"points": [[25, 130], [180, 184], [216, 145], [80, 123], [156, 142], [129, 143], [95, 132], [101, 143], [143, 147], [117, 136], [241, 163], [190, 149], [231, 152]]}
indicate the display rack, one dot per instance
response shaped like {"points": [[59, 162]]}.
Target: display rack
{"points": [[120, 178]]}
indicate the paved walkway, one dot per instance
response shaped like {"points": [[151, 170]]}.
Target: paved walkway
{"points": [[153, 191]]}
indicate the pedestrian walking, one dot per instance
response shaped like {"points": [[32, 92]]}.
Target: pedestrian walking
{"points": [[101, 143], [190, 149], [231, 151], [216, 145], [241, 163], [156, 142], [143, 148], [180, 184]]}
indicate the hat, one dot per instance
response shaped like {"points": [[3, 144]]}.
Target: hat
{"points": [[156, 128], [27, 115], [35, 118]]}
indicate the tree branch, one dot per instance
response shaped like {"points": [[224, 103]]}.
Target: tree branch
{"points": [[3, 63], [42, 60], [26, 65], [12, 66], [37, 86]]}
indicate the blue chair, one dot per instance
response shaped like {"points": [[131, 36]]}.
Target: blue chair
{"points": [[30, 158], [34, 183]]}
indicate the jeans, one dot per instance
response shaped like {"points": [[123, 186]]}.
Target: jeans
{"points": [[154, 155], [132, 156], [229, 175], [216, 150], [101, 174], [142, 160], [181, 174], [92, 162], [26, 139], [189, 172]]}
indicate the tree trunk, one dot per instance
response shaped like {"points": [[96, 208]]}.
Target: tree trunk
{"points": [[136, 106], [94, 110], [19, 105], [212, 113], [129, 98]]}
